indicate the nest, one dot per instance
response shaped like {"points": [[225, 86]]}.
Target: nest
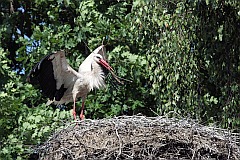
{"points": [[140, 137]]}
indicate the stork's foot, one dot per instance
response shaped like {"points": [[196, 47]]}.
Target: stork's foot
{"points": [[81, 116], [75, 118]]}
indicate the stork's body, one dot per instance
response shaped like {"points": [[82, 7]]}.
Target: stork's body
{"points": [[62, 84]]}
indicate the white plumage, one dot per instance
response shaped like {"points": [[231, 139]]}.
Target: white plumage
{"points": [[62, 84]]}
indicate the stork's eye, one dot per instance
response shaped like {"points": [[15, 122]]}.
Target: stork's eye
{"points": [[98, 57]]}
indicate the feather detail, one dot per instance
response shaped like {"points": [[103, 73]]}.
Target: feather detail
{"points": [[96, 78]]}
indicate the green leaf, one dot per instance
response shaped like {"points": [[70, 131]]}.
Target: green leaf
{"points": [[26, 125]]}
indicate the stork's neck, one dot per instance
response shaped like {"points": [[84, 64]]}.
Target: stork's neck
{"points": [[97, 76]]}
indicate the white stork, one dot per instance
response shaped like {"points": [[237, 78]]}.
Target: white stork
{"points": [[62, 84]]}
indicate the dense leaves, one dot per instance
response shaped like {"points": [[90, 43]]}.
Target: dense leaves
{"points": [[182, 56]]}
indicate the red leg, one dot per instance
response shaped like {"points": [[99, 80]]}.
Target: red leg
{"points": [[82, 109], [74, 108]]}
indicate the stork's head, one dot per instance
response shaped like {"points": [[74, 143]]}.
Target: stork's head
{"points": [[99, 59]]}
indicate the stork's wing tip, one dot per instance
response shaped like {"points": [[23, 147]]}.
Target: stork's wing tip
{"points": [[31, 78]]}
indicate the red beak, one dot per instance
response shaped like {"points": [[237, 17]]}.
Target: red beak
{"points": [[105, 64]]}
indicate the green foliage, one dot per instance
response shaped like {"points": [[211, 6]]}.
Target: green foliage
{"points": [[33, 127], [182, 56], [171, 66]]}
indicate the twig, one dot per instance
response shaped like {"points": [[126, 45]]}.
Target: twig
{"points": [[119, 140]]}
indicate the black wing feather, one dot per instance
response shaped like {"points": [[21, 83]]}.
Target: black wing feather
{"points": [[43, 74]]}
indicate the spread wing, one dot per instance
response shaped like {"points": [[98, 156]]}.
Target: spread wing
{"points": [[54, 75]]}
